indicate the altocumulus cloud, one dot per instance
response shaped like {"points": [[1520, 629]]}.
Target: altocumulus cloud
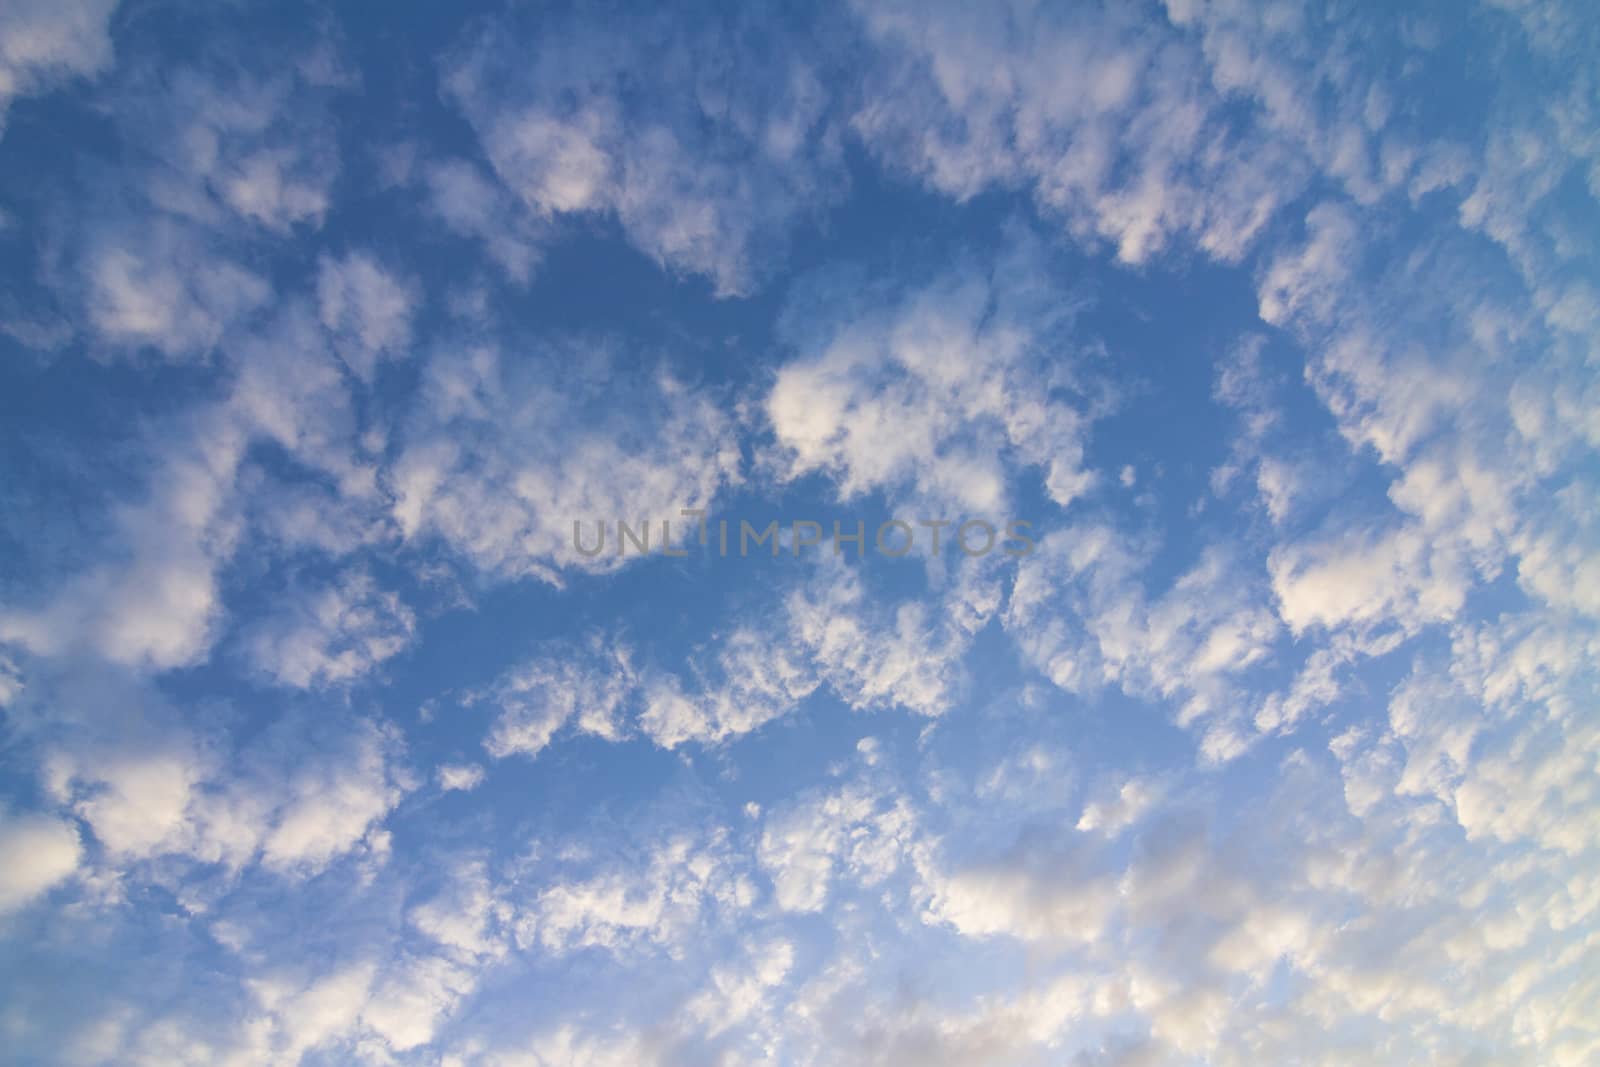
{"points": [[323, 742]]}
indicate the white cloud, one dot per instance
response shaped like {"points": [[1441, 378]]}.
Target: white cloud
{"points": [[567, 1045], [738, 992], [466, 917], [468, 204], [300, 1018], [328, 636], [295, 812], [1121, 808], [152, 598], [704, 175], [587, 687], [37, 852], [502, 456], [256, 147], [927, 395], [843, 1018], [1107, 122], [367, 308], [330, 803], [1363, 581], [1052, 897], [408, 1005], [904, 654], [11, 681], [1305, 282], [161, 286], [755, 679], [43, 45], [464, 777], [1080, 613], [681, 886], [157, 605], [1417, 882], [856, 832], [826, 631]]}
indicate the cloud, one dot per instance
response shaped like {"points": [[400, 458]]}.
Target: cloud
{"points": [[468, 204], [44, 45], [752, 680], [203, 169], [1081, 614], [1307, 280], [1362, 584], [680, 886], [407, 1007], [367, 309], [1046, 895], [158, 603], [1469, 457], [539, 697], [1121, 808], [300, 1018], [463, 777], [151, 598], [37, 852], [501, 457], [460, 918], [900, 655], [249, 143], [1354, 580], [330, 804], [294, 806], [936, 394], [737, 992], [330, 636], [706, 167], [859, 832], [1106, 121], [826, 631], [160, 286]]}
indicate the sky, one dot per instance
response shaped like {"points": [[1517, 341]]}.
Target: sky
{"points": [[1268, 331]]}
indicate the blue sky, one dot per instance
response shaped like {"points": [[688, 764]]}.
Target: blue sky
{"points": [[322, 744]]}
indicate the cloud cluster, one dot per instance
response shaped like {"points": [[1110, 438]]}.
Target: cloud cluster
{"points": [[503, 455], [43, 45], [937, 395], [706, 137], [1300, 773]]}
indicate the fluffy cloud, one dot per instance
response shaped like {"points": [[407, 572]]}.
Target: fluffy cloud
{"points": [[153, 598], [753, 679], [1080, 612], [330, 636], [1106, 121], [161, 286], [43, 45], [1375, 825], [934, 395], [825, 631], [703, 174], [367, 308], [460, 776], [251, 146], [172, 795], [503, 456], [1120, 808], [859, 832], [681, 886], [468, 203], [36, 853], [537, 698]]}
